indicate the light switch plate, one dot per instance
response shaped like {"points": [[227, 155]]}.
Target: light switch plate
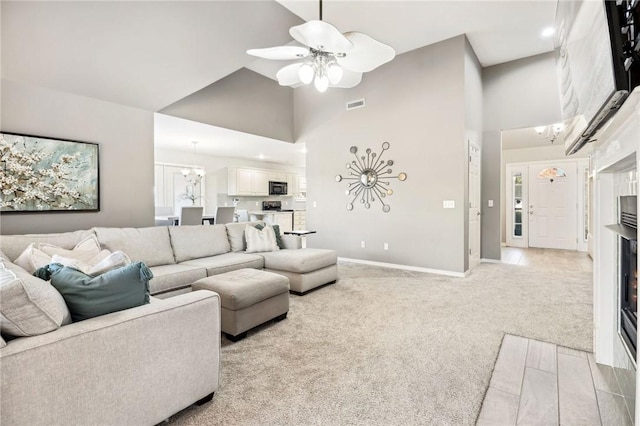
{"points": [[449, 204], [490, 203]]}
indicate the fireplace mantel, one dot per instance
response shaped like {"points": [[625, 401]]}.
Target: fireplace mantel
{"points": [[615, 164]]}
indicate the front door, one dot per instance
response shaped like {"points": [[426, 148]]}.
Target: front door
{"points": [[552, 206]]}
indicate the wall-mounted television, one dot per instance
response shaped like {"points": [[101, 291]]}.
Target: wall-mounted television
{"points": [[598, 61]]}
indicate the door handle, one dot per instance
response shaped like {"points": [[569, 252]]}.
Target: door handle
{"points": [[478, 213]]}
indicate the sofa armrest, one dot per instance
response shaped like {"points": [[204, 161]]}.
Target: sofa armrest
{"points": [[292, 242], [137, 366]]}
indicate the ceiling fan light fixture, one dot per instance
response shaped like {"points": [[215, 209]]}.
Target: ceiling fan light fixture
{"points": [[321, 82], [306, 73], [334, 73], [332, 58]]}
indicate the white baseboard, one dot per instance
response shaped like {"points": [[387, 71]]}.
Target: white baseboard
{"points": [[406, 267], [490, 260], [503, 244]]}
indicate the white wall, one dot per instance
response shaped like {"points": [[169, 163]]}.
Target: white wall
{"points": [[416, 103], [125, 136]]}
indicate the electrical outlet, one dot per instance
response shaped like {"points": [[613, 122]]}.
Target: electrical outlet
{"points": [[315, 204], [386, 246], [361, 244], [448, 204], [256, 204], [490, 203]]}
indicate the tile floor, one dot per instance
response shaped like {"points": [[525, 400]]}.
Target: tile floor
{"points": [[541, 383]]}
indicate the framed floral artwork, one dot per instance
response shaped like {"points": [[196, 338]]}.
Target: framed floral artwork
{"points": [[39, 174]]}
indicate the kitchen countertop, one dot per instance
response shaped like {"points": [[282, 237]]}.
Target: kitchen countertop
{"points": [[263, 212]]}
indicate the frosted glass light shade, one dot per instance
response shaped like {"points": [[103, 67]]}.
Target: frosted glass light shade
{"points": [[334, 73], [305, 72], [322, 83]]}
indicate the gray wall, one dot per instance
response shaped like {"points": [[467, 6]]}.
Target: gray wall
{"points": [[243, 101], [522, 93], [417, 103], [473, 125], [125, 136]]}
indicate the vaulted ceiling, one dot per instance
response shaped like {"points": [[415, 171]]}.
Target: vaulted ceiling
{"points": [[151, 54]]}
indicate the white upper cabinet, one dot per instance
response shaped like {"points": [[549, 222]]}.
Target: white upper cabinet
{"points": [[247, 182]]}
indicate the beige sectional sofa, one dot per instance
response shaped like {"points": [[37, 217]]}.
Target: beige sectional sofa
{"points": [[140, 365]]}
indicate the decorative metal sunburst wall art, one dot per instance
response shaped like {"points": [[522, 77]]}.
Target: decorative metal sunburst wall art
{"points": [[370, 175]]}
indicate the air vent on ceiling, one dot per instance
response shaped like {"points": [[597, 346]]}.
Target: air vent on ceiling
{"points": [[355, 104]]}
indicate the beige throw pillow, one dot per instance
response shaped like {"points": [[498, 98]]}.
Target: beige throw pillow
{"points": [[101, 263], [84, 251], [260, 240], [32, 259]]}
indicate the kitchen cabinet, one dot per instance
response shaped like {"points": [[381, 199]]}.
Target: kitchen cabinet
{"points": [[278, 176], [247, 182], [299, 220], [283, 219]]}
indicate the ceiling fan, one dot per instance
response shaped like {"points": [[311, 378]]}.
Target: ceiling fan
{"points": [[330, 58]]}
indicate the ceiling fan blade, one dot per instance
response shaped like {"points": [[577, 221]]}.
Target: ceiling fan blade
{"points": [[321, 36], [349, 79], [280, 52], [288, 76], [367, 53]]}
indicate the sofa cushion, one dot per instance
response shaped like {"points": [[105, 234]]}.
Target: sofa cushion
{"points": [[235, 232], [260, 240], [300, 261], [13, 245], [193, 242], [149, 245], [227, 262], [30, 306], [172, 277], [113, 291]]}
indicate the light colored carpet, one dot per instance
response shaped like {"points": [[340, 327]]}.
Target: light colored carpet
{"points": [[386, 346]]}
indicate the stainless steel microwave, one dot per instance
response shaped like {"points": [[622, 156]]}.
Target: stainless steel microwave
{"points": [[277, 188]]}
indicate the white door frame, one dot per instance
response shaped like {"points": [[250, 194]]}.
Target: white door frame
{"points": [[475, 204], [581, 164]]}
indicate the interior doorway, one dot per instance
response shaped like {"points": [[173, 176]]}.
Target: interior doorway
{"points": [[474, 205], [546, 204]]}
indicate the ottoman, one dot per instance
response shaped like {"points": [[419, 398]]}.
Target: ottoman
{"points": [[249, 297], [307, 269]]}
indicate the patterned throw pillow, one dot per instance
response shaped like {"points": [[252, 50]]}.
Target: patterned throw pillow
{"points": [[260, 240]]}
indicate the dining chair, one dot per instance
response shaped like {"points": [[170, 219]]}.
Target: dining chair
{"points": [[191, 215], [224, 215], [163, 211]]}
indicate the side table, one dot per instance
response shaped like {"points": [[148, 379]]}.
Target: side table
{"points": [[302, 235]]}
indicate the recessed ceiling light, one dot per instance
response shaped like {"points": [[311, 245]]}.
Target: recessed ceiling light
{"points": [[548, 32], [261, 156]]}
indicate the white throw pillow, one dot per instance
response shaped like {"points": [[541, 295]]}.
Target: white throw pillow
{"points": [[84, 251], [260, 240], [99, 264], [117, 259], [32, 259]]}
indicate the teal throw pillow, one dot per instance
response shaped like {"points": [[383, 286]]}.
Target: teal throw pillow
{"points": [[276, 230], [88, 297]]}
